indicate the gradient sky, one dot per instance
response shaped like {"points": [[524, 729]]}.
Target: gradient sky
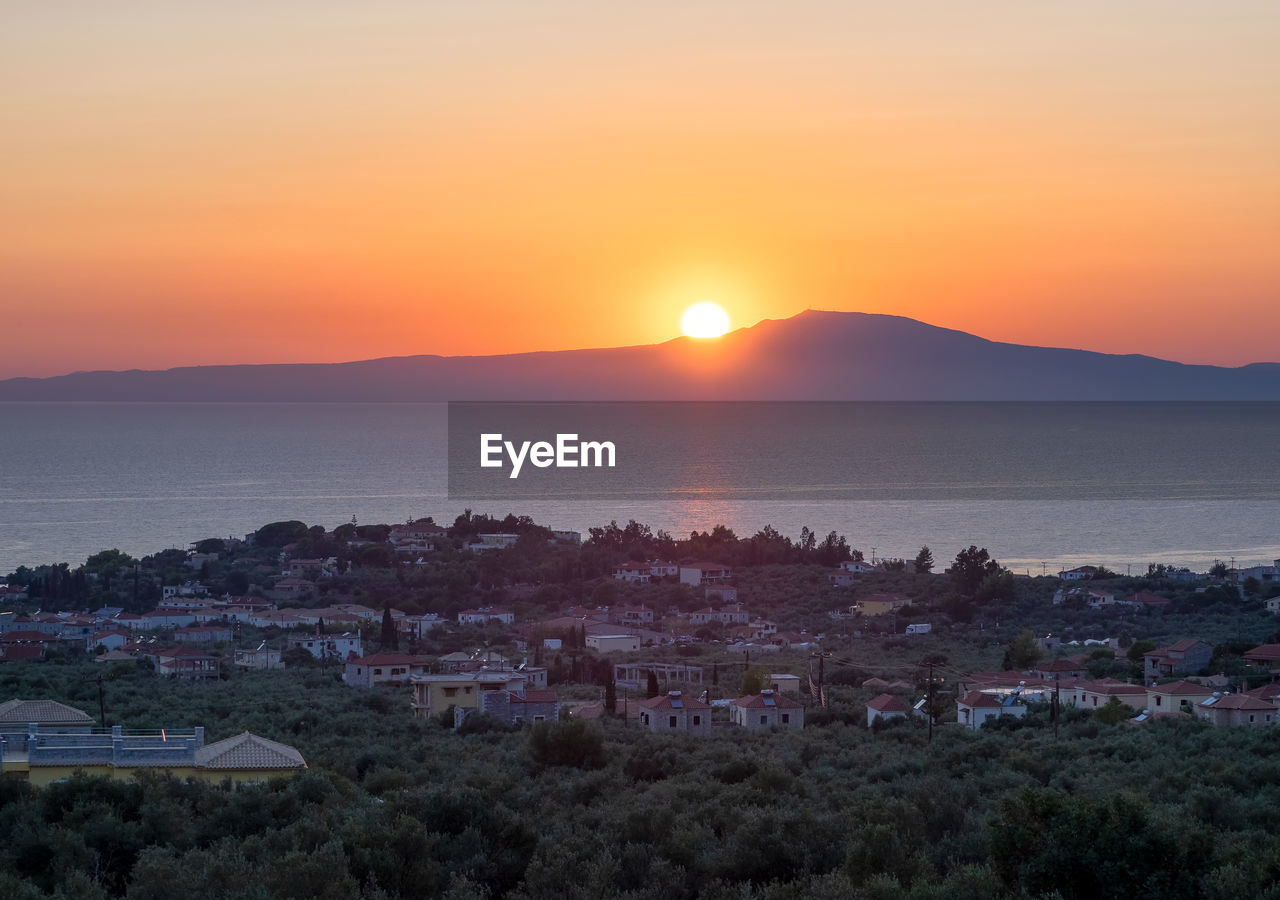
{"points": [[309, 181]]}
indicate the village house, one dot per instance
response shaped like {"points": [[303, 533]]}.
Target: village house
{"points": [[512, 707], [765, 710], [881, 604], [421, 535], [185, 662], [1237, 710], [382, 668], [1144, 600], [698, 573], [644, 572], [1186, 656], [856, 567], [485, 542], [885, 706], [311, 568], [1068, 667], [611, 643], [434, 694], [673, 711], [47, 754], [784, 684], [728, 615], [1080, 573], [1265, 657], [261, 658], [486, 615], [110, 638], [14, 592], [1176, 697], [329, 646], [977, 707], [631, 615], [291, 588], [203, 634], [1265, 574], [17, 717], [1096, 694]]}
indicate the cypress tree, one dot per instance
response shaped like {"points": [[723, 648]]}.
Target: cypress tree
{"points": [[390, 640]]}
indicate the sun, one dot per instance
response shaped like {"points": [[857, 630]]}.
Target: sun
{"points": [[704, 320]]}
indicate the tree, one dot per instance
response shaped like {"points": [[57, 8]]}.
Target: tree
{"points": [[610, 696], [924, 561], [575, 742], [390, 640], [997, 586], [1023, 651], [970, 567], [651, 689], [1218, 569], [754, 680]]}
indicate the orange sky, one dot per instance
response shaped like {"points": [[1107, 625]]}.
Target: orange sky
{"points": [[326, 181]]}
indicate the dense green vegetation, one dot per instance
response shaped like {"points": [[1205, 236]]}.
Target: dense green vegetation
{"points": [[394, 807]]}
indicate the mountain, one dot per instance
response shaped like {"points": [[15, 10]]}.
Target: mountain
{"points": [[812, 356]]}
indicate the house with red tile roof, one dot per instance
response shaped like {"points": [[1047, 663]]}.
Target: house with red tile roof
{"points": [[1238, 711], [1176, 697], [1186, 656], [1266, 656], [765, 710], [977, 707], [185, 662], [673, 711], [697, 573], [885, 706], [1096, 694], [383, 668]]}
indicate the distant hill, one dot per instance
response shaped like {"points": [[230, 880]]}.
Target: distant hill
{"points": [[812, 356]]}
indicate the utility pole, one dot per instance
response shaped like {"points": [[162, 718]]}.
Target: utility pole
{"points": [[102, 705], [1057, 703], [822, 693], [929, 703]]}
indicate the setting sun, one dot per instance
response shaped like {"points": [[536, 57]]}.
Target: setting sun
{"points": [[704, 320]]}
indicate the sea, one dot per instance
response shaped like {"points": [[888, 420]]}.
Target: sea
{"points": [[1042, 486]]}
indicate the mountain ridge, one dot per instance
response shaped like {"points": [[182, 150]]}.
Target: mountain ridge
{"points": [[814, 355]]}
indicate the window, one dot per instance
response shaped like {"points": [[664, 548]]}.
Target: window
{"points": [[764, 720], [467, 689], [450, 691], [1159, 700], [673, 721], [786, 719], [377, 671], [697, 720]]}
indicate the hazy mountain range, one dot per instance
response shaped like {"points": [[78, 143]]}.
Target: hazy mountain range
{"points": [[812, 356]]}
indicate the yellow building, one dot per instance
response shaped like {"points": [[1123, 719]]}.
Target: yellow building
{"points": [[880, 604], [433, 694], [44, 754]]}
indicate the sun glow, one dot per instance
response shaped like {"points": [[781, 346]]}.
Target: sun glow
{"points": [[704, 320]]}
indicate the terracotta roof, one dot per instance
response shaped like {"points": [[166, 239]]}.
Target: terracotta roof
{"points": [[1184, 645], [1181, 687], [979, 699], [537, 697], [1266, 691], [248, 751], [756, 701], [1112, 688], [663, 701], [20, 652], [887, 703], [1269, 652], [20, 637], [24, 712], [1066, 664], [1147, 598], [1242, 701]]}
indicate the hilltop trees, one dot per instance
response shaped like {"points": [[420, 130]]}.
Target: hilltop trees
{"points": [[924, 561], [970, 568]]}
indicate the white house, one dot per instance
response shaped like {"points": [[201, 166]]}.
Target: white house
{"points": [[857, 567], [704, 573], [977, 706], [673, 711], [485, 615], [885, 706]]}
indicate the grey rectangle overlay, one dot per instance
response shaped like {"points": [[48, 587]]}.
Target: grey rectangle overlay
{"points": [[866, 451]]}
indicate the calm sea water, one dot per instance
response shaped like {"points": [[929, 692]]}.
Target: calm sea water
{"points": [[77, 478]]}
